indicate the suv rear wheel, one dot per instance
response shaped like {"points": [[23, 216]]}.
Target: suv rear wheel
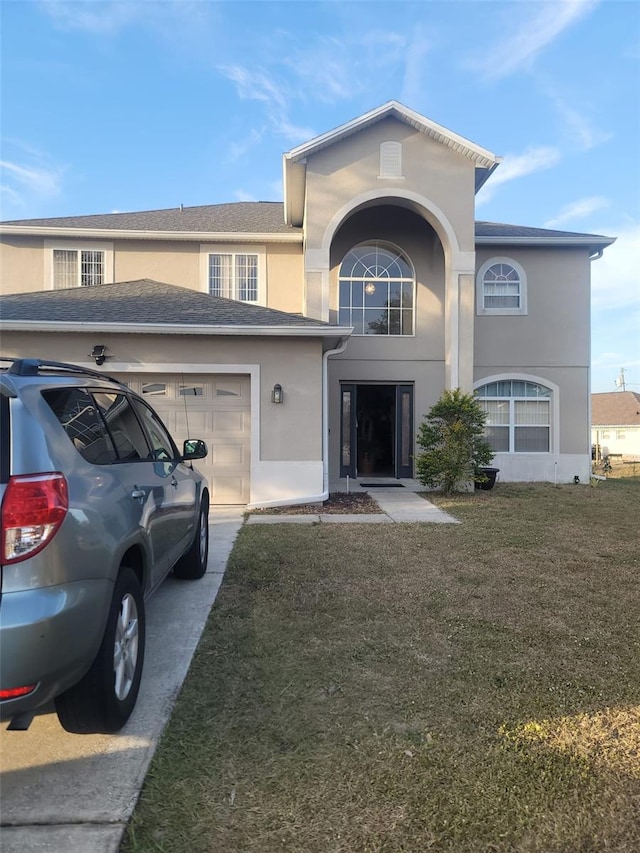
{"points": [[104, 699]]}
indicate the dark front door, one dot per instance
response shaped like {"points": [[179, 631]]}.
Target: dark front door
{"points": [[376, 436]]}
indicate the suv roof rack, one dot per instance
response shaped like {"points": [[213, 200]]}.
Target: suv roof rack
{"points": [[34, 366]]}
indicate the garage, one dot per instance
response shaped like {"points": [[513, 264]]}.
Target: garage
{"points": [[215, 408]]}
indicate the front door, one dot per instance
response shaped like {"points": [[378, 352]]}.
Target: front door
{"points": [[376, 431]]}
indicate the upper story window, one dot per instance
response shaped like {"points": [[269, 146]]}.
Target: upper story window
{"points": [[501, 287], [518, 416], [235, 272], [70, 265], [377, 291]]}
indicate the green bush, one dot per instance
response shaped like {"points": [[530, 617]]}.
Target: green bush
{"points": [[451, 436]]}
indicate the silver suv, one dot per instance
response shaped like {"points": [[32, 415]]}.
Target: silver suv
{"points": [[98, 506]]}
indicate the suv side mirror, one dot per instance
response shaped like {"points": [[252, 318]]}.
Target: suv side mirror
{"points": [[194, 448]]}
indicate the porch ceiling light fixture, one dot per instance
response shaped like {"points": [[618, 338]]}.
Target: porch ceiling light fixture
{"points": [[277, 395], [98, 353], [369, 288]]}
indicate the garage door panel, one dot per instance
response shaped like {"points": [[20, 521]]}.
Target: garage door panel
{"points": [[224, 387], [229, 422], [215, 408], [227, 453], [193, 422]]}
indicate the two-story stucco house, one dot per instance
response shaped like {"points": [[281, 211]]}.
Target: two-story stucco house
{"points": [[305, 340]]}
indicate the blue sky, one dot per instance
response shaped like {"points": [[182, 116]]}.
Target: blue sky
{"points": [[117, 106]]}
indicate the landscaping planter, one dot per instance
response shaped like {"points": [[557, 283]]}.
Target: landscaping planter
{"points": [[489, 483]]}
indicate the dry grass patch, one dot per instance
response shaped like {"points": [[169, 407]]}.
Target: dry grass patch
{"points": [[416, 687]]}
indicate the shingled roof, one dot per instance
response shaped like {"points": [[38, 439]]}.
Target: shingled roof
{"points": [[259, 217], [146, 302], [616, 408], [265, 218]]}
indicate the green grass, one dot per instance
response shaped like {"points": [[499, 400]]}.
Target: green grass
{"points": [[416, 687]]}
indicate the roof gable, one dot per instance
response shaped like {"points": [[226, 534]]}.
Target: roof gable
{"points": [[294, 161]]}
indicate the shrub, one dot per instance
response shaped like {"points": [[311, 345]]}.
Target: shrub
{"points": [[451, 436]]}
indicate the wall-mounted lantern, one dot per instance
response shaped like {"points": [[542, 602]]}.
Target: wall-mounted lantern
{"points": [[277, 395]]}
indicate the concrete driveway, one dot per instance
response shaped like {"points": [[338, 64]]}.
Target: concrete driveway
{"points": [[63, 793]]}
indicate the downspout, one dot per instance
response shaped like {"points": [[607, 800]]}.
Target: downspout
{"points": [[325, 414], [596, 257]]}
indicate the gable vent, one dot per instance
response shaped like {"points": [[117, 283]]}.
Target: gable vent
{"points": [[390, 160]]}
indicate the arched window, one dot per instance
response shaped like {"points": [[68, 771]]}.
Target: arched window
{"points": [[502, 287], [377, 291], [518, 416]]}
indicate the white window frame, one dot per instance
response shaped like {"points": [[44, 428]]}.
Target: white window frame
{"points": [[480, 294], [77, 246], [390, 247], [260, 251], [554, 412]]}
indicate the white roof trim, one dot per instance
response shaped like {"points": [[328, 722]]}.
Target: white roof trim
{"points": [[129, 234], [481, 156], [176, 329], [586, 240]]}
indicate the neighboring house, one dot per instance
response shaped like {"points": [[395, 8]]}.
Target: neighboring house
{"points": [[364, 295], [615, 423]]}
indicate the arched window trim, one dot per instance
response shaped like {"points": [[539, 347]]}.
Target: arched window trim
{"points": [[480, 288], [349, 311], [554, 434]]}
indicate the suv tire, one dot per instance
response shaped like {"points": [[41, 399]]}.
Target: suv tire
{"points": [[193, 564], [104, 699]]}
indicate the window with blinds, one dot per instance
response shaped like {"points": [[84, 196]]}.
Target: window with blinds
{"points": [[77, 268], [234, 276], [501, 287], [518, 416]]}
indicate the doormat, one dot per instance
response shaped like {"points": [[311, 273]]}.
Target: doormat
{"points": [[382, 485]]}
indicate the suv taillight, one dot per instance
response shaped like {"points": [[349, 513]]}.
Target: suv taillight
{"points": [[33, 508]]}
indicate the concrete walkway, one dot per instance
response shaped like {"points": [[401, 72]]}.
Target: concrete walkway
{"points": [[397, 505]]}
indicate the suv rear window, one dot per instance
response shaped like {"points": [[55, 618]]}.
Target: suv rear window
{"points": [[76, 411]]}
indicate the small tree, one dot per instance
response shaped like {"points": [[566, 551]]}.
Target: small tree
{"points": [[451, 436]]}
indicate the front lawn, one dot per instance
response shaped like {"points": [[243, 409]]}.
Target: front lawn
{"points": [[417, 687]]}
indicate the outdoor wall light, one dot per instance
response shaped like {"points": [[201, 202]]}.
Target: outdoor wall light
{"points": [[277, 395], [98, 354]]}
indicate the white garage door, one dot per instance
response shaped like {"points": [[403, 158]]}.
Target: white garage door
{"points": [[214, 407]]}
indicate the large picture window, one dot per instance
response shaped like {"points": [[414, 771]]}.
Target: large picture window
{"points": [[376, 291], [518, 416]]}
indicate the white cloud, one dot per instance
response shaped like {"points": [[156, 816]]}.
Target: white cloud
{"points": [[105, 18], [254, 85], [23, 183], [533, 30], [260, 86], [577, 210], [615, 282], [243, 195], [413, 83], [517, 166]]}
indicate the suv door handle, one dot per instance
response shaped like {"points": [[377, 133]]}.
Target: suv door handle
{"points": [[174, 482], [138, 493]]}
